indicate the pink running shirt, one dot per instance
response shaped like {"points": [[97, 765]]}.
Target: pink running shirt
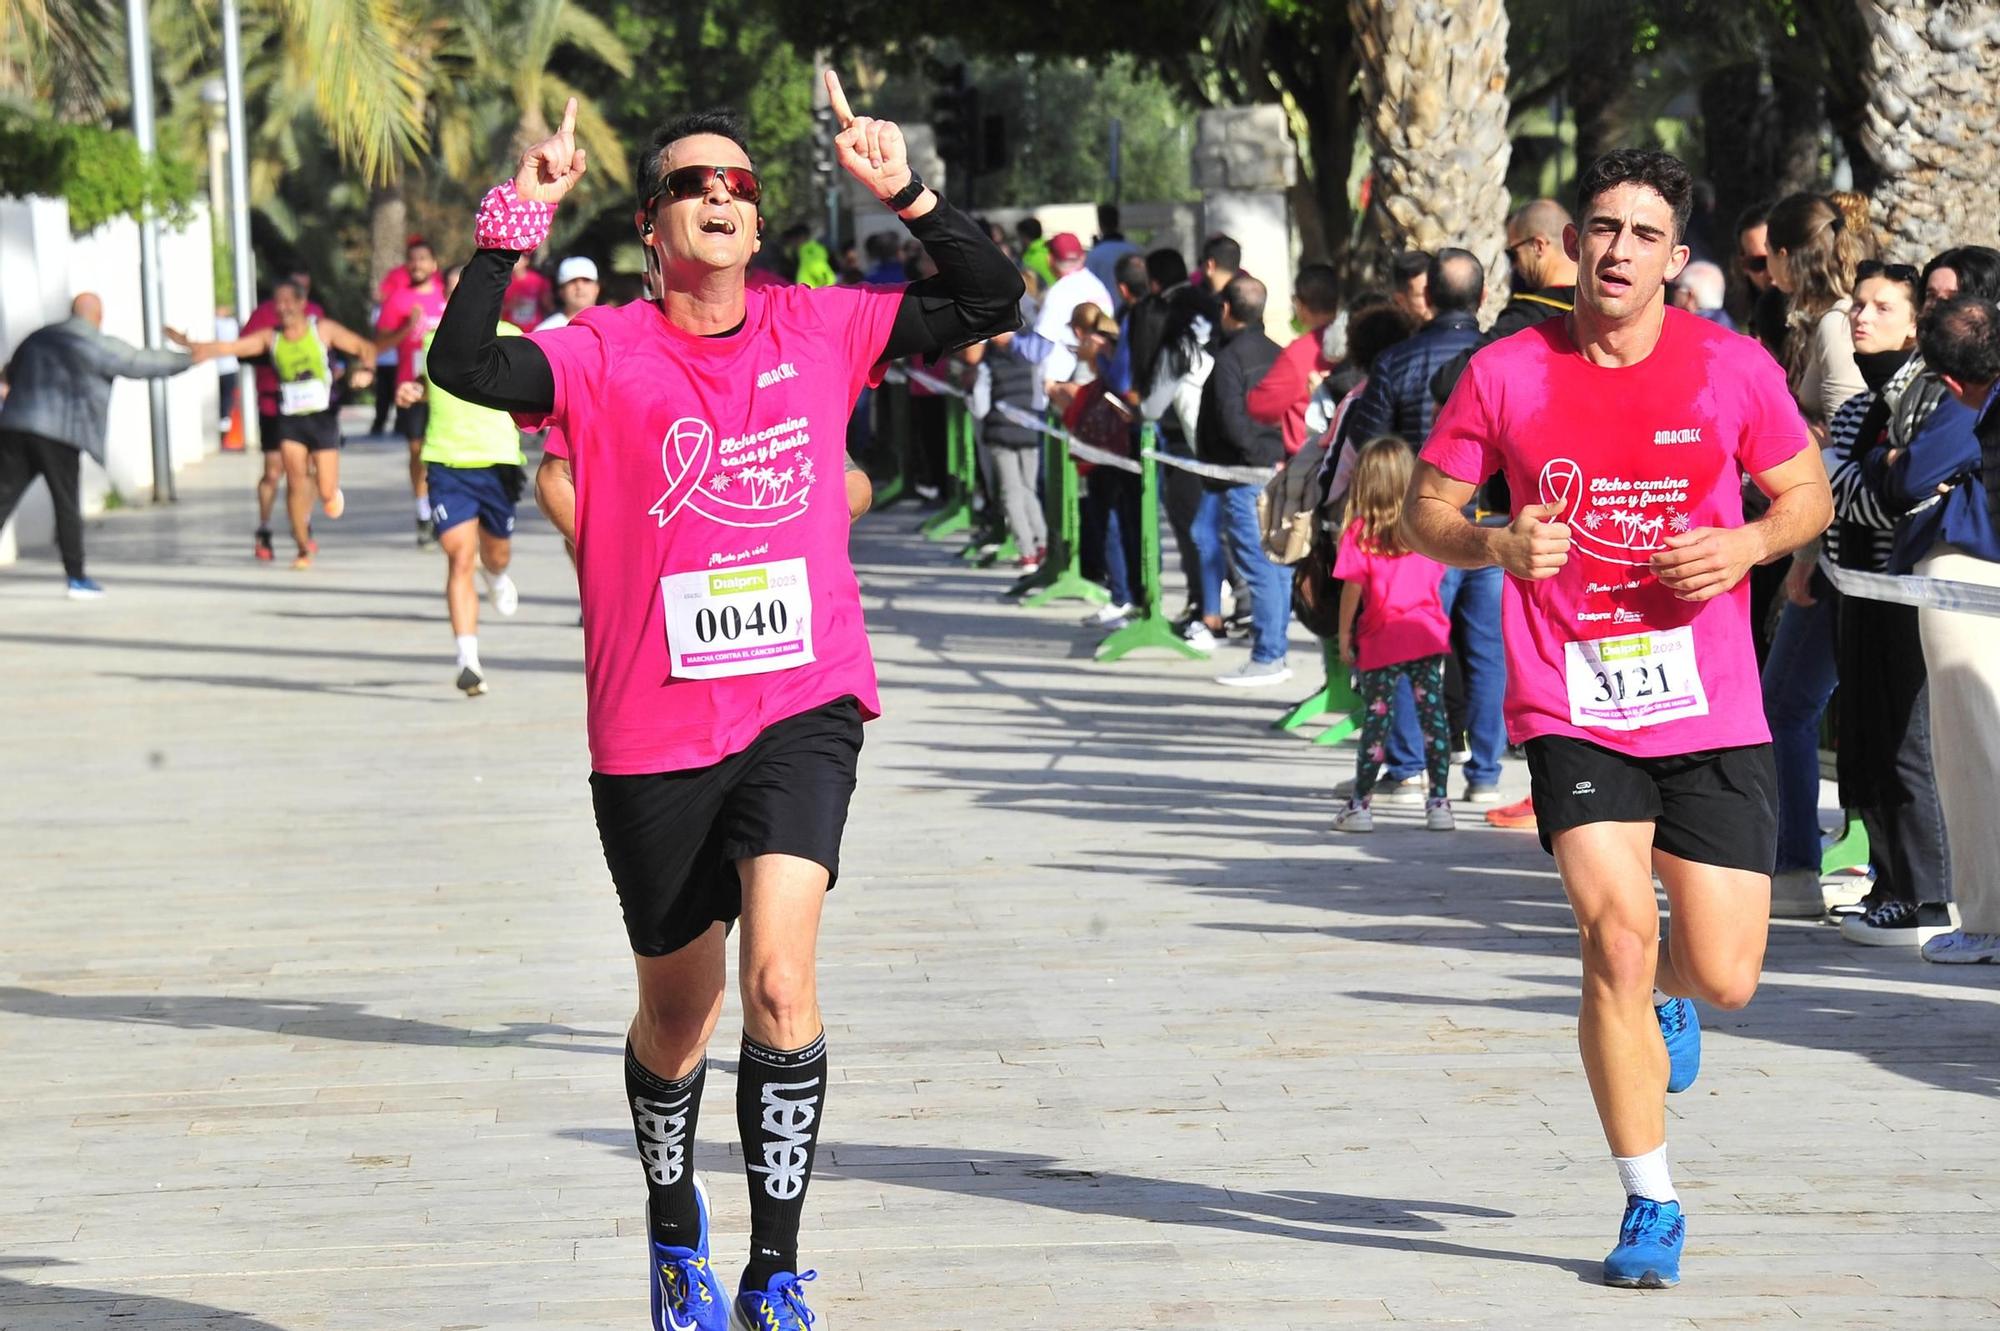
{"points": [[1602, 652], [396, 309], [1401, 617], [711, 518]]}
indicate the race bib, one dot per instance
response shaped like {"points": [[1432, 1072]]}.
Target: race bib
{"points": [[1629, 683], [740, 621], [304, 397]]}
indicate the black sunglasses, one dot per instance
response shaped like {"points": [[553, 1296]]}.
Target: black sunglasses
{"points": [[691, 182], [1754, 263], [1895, 272]]}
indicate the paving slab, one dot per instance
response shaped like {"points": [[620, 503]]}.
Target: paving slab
{"points": [[312, 991]]}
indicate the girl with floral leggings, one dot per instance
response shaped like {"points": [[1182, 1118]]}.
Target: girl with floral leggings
{"points": [[1392, 626]]}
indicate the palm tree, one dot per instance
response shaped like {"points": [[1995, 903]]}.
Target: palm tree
{"points": [[1434, 106], [58, 53], [1934, 66]]}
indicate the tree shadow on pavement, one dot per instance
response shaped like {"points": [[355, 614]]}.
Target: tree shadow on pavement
{"points": [[316, 1019], [26, 1306], [1387, 1223]]}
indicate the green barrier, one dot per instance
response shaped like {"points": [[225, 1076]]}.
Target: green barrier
{"points": [[1848, 852], [1336, 695], [962, 477], [1152, 628], [895, 401], [1059, 578]]}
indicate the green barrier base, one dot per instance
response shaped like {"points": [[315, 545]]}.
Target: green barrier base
{"points": [[949, 521], [1336, 695], [1149, 630], [1067, 585], [1849, 851], [977, 553]]}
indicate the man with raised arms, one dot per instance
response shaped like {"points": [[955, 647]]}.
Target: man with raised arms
{"points": [[698, 472], [1623, 429]]}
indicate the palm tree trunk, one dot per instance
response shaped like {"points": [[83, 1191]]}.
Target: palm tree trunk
{"points": [[1434, 104], [1934, 67], [388, 222]]}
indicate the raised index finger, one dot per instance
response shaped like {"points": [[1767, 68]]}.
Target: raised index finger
{"points": [[569, 119], [838, 100]]}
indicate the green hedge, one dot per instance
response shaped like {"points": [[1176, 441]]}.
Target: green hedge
{"points": [[100, 172]]}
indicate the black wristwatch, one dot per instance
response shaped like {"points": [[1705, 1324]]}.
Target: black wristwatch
{"points": [[905, 196]]}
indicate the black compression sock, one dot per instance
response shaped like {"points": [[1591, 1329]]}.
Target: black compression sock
{"points": [[663, 1119], [779, 1098]]}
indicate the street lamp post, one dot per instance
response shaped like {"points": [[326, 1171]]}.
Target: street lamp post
{"points": [[139, 57]]}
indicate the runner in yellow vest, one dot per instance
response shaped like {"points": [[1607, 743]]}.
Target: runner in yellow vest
{"points": [[473, 464], [308, 419]]}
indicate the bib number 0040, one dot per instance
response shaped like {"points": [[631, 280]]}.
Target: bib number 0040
{"points": [[1634, 682], [739, 621]]}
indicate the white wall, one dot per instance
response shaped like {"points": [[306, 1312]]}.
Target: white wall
{"points": [[42, 268]]}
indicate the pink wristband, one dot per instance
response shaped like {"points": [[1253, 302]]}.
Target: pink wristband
{"points": [[509, 222]]}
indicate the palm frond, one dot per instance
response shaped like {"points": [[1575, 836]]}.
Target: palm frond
{"points": [[368, 86]]}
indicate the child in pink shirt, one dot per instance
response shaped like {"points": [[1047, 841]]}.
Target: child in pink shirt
{"points": [[1400, 630]]}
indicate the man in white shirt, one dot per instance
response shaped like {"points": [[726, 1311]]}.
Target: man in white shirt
{"points": [[576, 290], [1052, 344]]}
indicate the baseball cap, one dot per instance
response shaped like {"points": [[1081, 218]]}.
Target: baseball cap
{"points": [[575, 266], [1065, 245]]}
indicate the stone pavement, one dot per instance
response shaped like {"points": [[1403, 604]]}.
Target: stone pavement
{"points": [[312, 989]]}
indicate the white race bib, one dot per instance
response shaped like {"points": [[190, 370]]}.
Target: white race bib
{"points": [[748, 620], [1629, 683], [304, 397]]}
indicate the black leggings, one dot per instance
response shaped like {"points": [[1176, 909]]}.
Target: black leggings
{"points": [[1378, 695]]}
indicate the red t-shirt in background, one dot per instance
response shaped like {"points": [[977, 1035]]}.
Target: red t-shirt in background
{"points": [[1281, 397], [1402, 618], [1603, 652], [528, 301], [711, 505]]}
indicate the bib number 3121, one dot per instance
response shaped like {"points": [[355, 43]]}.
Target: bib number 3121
{"points": [[1631, 683], [739, 621]]}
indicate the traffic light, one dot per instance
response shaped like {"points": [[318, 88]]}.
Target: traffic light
{"points": [[954, 116], [992, 154]]}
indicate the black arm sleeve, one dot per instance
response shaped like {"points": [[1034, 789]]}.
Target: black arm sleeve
{"points": [[975, 294], [469, 360]]}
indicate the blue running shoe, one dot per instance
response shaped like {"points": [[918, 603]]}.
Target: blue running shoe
{"points": [[779, 1306], [1682, 1029], [1648, 1255], [686, 1294]]}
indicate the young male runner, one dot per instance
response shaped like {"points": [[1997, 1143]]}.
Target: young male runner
{"points": [[1624, 429], [409, 315], [473, 462], [702, 482]]}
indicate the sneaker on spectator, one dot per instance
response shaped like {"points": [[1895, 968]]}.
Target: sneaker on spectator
{"points": [[1896, 923], [1236, 624], [1109, 616], [1198, 636], [1256, 674], [1796, 895], [1410, 791], [1519, 816], [1479, 794], [1354, 818], [1848, 893], [1959, 948], [1437, 816]]}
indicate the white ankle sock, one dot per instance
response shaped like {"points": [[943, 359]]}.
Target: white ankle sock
{"points": [[1660, 999], [423, 508], [1646, 1175], [468, 650]]}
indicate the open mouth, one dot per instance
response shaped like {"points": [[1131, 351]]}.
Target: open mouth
{"points": [[1614, 283], [718, 226]]}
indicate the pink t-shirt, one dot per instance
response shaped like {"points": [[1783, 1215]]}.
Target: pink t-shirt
{"points": [[429, 299], [711, 517], [1402, 618], [529, 298], [1603, 652]]}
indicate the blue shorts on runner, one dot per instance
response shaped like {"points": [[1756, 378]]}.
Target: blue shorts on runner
{"points": [[460, 494]]}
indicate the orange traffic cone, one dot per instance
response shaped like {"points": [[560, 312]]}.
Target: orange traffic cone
{"points": [[232, 438]]}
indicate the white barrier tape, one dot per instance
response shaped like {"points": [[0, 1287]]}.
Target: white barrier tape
{"points": [[1925, 593], [1079, 450], [1233, 475], [895, 374], [932, 382]]}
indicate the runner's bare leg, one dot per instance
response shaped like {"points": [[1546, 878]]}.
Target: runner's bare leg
{"points": [[680, 1000], [1714, 947]]}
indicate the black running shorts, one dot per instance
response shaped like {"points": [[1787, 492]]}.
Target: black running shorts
{"points": [[1717, 806], [413, 422], [672, 839]]}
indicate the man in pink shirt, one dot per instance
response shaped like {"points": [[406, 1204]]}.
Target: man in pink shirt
{"points": [[700, 477], [410, 313], [1281, 397], [1624, 431]]}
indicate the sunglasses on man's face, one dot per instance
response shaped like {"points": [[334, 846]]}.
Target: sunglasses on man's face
{"points": [[1755, 263], [691, 182], [1895, 272]]}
